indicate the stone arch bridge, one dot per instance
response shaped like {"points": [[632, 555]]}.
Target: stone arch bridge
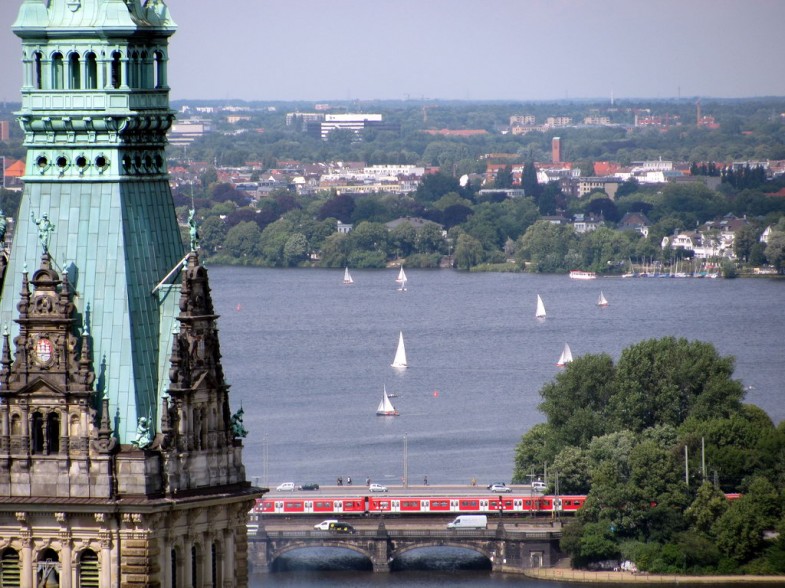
{"points": [[507, 550]]}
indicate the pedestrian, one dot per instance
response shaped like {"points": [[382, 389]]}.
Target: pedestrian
{"points": [[340, 481], [348, 480], [425, 480], [367, 481]]}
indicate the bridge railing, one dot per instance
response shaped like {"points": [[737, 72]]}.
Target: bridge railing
{"points": [[409, 534]]}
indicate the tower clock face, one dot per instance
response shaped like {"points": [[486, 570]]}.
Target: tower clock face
{"points": [[43, 350]]}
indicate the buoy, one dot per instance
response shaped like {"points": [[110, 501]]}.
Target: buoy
{"points": [[238, 308], [436, 394]]}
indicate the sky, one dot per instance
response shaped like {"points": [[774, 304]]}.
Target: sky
{"points": [[515, 50]]}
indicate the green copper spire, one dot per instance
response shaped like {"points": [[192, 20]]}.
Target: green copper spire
{"points": [[95, 112]]}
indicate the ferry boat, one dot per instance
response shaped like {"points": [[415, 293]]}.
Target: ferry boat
{"points": [[581, 275]]}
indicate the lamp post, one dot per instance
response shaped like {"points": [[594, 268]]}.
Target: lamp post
{"points": [[405, 461]]}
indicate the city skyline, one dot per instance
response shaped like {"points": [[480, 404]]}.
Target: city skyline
{"points": [[518, 50]]}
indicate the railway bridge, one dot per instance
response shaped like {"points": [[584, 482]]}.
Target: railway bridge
{"points": [[508, 547]]}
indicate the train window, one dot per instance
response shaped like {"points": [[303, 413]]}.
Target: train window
{"points": [[439, 504], [469, 503], [293, 505], [527, 502], [410, 504]]}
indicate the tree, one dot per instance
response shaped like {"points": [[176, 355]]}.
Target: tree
{"points": [[242, 241], [545, 246], [212, 233], [503, 178], [295, 249], [340, 207], [434, 186], [529, 183], [468, 252], [744, 239], [775, 250]]}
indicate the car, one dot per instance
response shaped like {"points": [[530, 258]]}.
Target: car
{"points": [[539, 485], [500, 488], [340, 527], [308, 486], [325, 525], [492, 484], [377, 488], [285, 487]]}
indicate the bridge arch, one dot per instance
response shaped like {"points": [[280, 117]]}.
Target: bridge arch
{"points": [[337, 544], [485, 551]]}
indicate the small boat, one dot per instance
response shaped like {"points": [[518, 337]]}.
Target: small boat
{"points": [[581, 275], [386, 407], [400, 354], [347, 277], [401, 279], [540, 308], [565, 357], [602, 301]]}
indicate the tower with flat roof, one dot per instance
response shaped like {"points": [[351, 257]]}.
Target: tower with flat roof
{"points": [[120, 459]]}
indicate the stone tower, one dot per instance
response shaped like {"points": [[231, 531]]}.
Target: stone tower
{"points": [[120, 461]]}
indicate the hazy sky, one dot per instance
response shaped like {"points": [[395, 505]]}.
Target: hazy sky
{"points": [[462, 49]]}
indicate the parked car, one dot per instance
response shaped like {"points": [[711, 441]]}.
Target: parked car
{"points": [[325, 525], [377, 488], [340, 527], [308, 486], [285, 487], [500, 488]]}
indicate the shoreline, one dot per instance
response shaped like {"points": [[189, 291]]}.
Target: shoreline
{"points": [[587, 577]]}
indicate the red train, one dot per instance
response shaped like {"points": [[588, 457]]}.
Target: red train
{"points": [[410, 505]]}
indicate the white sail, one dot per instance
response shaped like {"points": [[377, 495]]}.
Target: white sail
{"points": [[540, 308], [347, 277], [400, 354], [565, 357], [602, 301], [401, 279], [386, 407]]}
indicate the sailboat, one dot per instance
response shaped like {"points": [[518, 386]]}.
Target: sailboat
{"points": [[385, 407], [400, 354], [401, 279], [540, 308], [347, 277], [602, 301], [565, 357]]}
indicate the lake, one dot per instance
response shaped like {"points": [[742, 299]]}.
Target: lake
{"points": [[308, 357]]}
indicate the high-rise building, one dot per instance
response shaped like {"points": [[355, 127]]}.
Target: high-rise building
{"points": [[120, 459]]}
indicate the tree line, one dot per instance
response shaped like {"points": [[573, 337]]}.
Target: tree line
{"points": [[621, 432]]}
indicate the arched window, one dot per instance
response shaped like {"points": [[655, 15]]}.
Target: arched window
{"points": [[52, 433], [117, 70], [133, 74], [38, 81], [57, 71], [173, 562], [195, 566], [91, 83], [16, 425], [214, 575], [160, 70], [9, 569], [74, 72], [144, 70], [48, 570], [37, 433], [88, 570]]}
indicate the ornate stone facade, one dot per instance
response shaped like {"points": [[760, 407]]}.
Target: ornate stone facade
{"points": [[120, 463]]}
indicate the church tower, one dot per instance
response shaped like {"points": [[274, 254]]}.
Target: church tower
{"points": [[120, 460]]}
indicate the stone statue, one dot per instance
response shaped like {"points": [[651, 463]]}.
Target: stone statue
{"points": [[193, 231], [238, 429], [143, 438], [45, 229]]}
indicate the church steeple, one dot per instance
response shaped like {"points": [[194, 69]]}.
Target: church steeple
{"points": [[95, 112]]}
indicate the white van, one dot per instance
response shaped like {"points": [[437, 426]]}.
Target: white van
{"points": [[469, 522]]}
